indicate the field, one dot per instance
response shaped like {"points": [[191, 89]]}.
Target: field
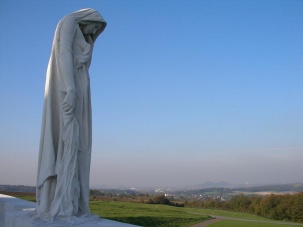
{"points": [[26, 197], [228, 214], [154, 215], [146, 214], [236, 223]]}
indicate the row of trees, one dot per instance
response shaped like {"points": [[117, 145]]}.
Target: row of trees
{"points": [[278, 207]]}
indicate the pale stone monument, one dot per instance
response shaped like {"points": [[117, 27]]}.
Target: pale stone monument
{"points": [[66, 134], [62, 191]]}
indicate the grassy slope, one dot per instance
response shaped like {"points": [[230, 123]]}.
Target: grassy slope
{"points": [[145, 214], [228, 214], [232, 223], [237, 223], [25, 197]]}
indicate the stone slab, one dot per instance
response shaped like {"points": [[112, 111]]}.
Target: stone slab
{"points": [[16, 212]]}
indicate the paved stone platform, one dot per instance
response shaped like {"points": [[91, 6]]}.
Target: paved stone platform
{"points": [[16, 212]]}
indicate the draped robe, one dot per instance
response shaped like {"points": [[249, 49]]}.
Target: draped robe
{"points": [[65, 143]]}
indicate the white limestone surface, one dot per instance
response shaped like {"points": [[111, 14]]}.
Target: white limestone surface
{"points": [[16, 212], [66, 131]]}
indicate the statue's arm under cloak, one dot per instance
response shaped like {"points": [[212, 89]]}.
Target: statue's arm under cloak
{"points": [[66, 62]]}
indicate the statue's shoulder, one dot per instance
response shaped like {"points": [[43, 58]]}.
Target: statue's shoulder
{"points": [[68, 20], [66, 26]]}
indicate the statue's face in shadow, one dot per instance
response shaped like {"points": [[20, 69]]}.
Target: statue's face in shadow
{"points": [[90, 29]]}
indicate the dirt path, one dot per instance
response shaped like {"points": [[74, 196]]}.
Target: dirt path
{"points": [[205, 223]]}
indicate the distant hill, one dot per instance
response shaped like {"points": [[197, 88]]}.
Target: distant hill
{"points": [[17, 188], [209, 184], [229, 191], [296, 187]]}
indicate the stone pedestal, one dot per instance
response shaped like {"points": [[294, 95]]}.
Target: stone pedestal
{"points": [[16, 212]]}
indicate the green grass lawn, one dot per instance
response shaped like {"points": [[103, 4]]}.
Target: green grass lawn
{"points": [[26, 197], [232, 223], [146, 214], [236, 223], [228, 214]]}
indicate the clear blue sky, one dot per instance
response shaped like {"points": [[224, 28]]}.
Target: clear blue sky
{"points": [[182, 91]]}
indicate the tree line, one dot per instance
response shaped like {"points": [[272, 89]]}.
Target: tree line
{"points": [[161, 199], [279, 207]]}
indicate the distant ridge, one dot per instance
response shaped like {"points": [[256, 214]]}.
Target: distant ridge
{"points": [[17, 188], [210, 184]]}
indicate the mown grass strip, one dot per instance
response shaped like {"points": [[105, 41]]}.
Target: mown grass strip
{"points": [[234, 223], [223, 213]]}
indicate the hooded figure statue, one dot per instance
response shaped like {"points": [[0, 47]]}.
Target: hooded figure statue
{"points": [[66, 133]]}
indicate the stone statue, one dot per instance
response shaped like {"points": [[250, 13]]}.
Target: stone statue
{"points": [[66, 134]]}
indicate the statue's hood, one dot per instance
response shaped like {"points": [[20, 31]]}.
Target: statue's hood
{"points": [[86, 16]]}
